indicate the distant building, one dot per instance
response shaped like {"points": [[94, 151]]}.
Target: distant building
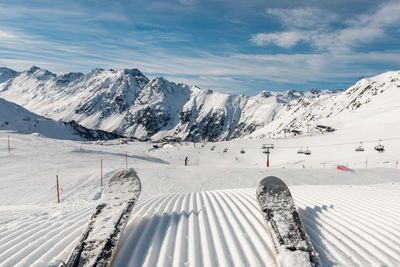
{"points": [[325, 128]]}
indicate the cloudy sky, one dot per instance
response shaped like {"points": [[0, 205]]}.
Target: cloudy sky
{"points": [[236, 46]]}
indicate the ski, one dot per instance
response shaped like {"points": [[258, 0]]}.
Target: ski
{"points": [[98, 242], [291, 244]]}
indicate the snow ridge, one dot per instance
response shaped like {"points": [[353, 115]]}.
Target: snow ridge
{"points": [[127, 103], [17, 119]]}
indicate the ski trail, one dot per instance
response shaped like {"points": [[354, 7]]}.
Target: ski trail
{"points": [[147, 234], [46, 246], [180, 254], [37, 238], [256, 241], [164, 230], [368, 234], [343, 243], [352, 230], [138, 223], [215, 228], [167, 247], [249, 251], [206, 241], [194, 233], [220, 243], [361, 210], [354, 235]]}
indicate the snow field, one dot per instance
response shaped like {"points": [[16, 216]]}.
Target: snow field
{"points": [[204, 214], [222, 227], [225, 228], [37, 235]]}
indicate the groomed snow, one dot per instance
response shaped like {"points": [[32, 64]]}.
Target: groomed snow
{"points": [[204, 214]]}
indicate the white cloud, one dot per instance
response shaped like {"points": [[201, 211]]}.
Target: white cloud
{"points": [[312, 26], [188, 2], [5, 35], [284, 39], [305, 17]]}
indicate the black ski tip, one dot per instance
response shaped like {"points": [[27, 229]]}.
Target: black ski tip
{"points": [[272, 180], [272, 185], [125, 175]]}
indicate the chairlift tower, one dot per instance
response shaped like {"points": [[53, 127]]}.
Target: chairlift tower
{"points": [[268, 147]]}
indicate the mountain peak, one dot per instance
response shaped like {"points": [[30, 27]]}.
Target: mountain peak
{"points": [[5, 69], [265, 94], [133, 72], [34, 68], [162, 85], [6, 74], [39, 73]]}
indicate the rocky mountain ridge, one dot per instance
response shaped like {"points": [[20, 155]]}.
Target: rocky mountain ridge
{"points": [[126, 102]]}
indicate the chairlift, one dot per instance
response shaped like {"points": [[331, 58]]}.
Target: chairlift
{"points": [[300, 151], [225, 149], [360, 148], [379, 147], [267, 146], [242, 151], [307, 152]]}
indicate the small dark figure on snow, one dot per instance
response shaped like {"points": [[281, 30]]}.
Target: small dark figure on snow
{"points": [[186, 161]]}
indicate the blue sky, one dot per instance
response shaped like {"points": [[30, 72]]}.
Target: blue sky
{"points": [[237, 46]]}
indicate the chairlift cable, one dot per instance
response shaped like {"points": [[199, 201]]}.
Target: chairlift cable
{"points": [[341, 144]]}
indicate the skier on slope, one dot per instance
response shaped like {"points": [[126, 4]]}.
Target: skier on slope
{"points": [[186, 161]]}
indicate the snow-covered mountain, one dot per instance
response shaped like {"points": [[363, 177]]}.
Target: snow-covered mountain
{"points": [[17, 119], [370, 102], [7, 74], [126, 102]]}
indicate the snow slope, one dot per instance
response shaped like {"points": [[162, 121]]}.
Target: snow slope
{"points": [[14, 117], [17, 119], [225, 228], [200, 214], [369, 102]]}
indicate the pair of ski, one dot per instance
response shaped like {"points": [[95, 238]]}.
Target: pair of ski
{"points": [[97, 245]]}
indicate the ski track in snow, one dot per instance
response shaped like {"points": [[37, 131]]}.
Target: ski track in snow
{"points": [[225, 228], [34, 236], [216, 228]]}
